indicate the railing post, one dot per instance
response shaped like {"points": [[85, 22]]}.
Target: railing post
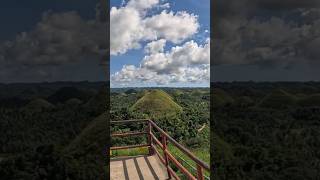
{"points": [[200, 172], [164, 144], [149, 130]]}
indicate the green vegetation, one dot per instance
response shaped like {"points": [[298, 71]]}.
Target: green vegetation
{"points": [[271, 131], [183, 113], [47, 132], [130, 152]]}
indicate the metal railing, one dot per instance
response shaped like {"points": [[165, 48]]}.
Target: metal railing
{"points": [[153, 142]]}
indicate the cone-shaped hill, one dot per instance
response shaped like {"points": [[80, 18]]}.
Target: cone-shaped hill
{"points": [[221, 98], [312, 100], [92, 138], [73, 101], [37, 105], [65, 93], [278, 99], [98, 103], [88, 147], [156, 103]]}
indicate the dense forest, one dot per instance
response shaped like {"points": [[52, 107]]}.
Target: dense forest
{"points": [[182, 112], [266, 130], [53, 131]]}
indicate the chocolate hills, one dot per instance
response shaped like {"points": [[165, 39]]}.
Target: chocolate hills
{"points": [[278, 98], [156, 103], [221, 98], [37, 105], [311, 100]]}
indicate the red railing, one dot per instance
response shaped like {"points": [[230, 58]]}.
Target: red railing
{"points": [[166, 156]]}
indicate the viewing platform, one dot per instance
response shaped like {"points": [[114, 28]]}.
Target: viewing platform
{"points": [[139, 167], [159, 162]]}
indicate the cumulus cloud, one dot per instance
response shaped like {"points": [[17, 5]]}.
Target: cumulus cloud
{"points": [[142, 4], [268, 41], [130, 25], [126, 30], [188, 54], [155, 46], [186, 63], [58, 39], [174, 27]]}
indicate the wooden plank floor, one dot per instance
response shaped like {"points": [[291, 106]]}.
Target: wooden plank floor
{"points": [[137, 167]]}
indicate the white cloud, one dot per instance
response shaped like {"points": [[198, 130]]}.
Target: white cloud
{"points": [[130, 26], [165, 6], [189, 54], [155, 46], [173, 27], [126, 30], [142, 4], [186, 63]]}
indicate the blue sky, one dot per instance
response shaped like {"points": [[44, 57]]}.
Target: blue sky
{"points": [[200, 8]]}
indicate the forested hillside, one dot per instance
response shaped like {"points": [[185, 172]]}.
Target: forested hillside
{"points": [[266, 130], [48, 132]]}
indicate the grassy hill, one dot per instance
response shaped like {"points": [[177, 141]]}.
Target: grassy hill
{"points": [[312, 100], [87, 149], [221, 98], [37, 105], [278, 99], [156, 103]]}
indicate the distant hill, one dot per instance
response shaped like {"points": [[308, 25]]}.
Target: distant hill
{"points": [[93, 135], [98, 103], [221, 98], [156, 103], [278, 99], [66, 93], [73, 101], [37, 105], [89, 147], [312, 100], [131, 91]]}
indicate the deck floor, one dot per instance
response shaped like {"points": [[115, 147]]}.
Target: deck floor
{"points": [[137, 167]]}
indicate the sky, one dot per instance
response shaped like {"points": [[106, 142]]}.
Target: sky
{"points": [[52, 40], [266, 40], [160, 43]]}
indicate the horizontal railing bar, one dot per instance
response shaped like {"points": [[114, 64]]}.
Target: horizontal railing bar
{"points": [[180, 147], [128, 147], [179, 165], [129, 121], [156, 140], [127, 134]]}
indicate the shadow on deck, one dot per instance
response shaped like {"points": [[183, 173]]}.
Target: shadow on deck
{"points": [[137, 167]]}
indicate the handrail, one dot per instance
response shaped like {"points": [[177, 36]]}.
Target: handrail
{"points": [[167, 156], [183, 149]]}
